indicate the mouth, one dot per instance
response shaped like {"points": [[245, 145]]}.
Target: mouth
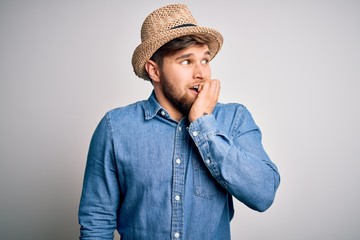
{"points": [[195, 88]]}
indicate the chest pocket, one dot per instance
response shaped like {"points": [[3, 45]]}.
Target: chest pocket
{"points": [[205, 185]]}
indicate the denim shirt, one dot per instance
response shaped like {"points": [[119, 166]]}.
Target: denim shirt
{"points": [[151, 177]]}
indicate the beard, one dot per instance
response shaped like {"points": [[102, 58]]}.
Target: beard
{"points": [[182, 101]]}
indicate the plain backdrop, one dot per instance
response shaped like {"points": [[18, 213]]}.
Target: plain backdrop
{"points": [[294, 64]]}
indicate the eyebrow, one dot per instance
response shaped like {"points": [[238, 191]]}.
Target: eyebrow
{"points": [[207, 53]]}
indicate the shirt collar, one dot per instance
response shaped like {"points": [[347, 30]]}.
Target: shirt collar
{"points": [[152, 107]]}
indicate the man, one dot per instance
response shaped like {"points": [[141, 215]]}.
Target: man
{"points": [[169, 167]]}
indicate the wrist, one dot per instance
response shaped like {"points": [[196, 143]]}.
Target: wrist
{"points": [[193, 118]]}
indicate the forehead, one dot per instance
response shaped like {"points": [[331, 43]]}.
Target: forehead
{"points": [[192, 51]]}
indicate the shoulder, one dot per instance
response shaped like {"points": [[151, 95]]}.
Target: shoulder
{"points": [[128, 111], [230, 109], [122, 115], [235, 116]]}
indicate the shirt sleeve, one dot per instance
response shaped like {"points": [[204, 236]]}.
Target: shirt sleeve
{"points": [[237, 160], [100, 194]]}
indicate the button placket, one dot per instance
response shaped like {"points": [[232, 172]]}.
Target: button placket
{"points": [[178, 183]]}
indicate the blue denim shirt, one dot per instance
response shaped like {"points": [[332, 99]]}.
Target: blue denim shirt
{"points": [[151, 177]]}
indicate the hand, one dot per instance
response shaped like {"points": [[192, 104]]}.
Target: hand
{"points": [[206, 100]]}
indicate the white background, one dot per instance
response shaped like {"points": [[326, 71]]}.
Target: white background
{"points": [[294, 64]]}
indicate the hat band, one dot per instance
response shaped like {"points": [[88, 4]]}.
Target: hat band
{"points": [[184, 25]]}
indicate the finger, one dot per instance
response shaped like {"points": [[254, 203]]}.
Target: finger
{"points": [[215, 88], [218, 88], [204, 86]]}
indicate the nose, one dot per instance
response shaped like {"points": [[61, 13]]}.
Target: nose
{"points": [[201, 71]]}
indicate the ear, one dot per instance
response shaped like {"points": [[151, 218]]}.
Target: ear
{"points": [[153, 70]]}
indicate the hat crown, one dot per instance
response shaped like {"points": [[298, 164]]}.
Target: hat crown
{"points": [[165, 24], [166, 18]]}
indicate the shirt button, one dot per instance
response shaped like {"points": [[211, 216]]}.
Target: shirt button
{"points": [[176, 235], [163, 113], [177, 197], [180, 128], [195, 133], [178, 160], [207, 161]]}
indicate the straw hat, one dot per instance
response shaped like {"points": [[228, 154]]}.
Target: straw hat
{"points": [[164, 25]]}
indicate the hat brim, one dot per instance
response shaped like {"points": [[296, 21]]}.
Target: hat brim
{"points": [[147, 48]]}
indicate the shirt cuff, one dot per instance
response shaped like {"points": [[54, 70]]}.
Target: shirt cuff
{"points": [[203, 128]]}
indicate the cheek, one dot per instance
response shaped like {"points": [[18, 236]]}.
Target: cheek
{"points": [[180, 76], [208, 71], [173, 72]]}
